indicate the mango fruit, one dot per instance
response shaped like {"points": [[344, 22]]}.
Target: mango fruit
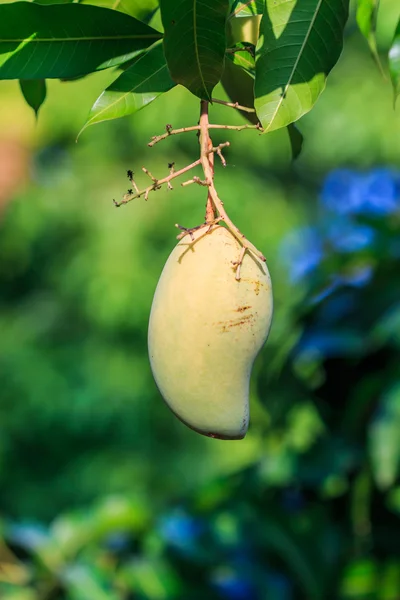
{"points": [[244, 29], [206, 328]]}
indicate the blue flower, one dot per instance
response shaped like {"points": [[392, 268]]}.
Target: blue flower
{"points": [[232, 586], [338, 306], [347, 236], [180, 529], [341, 192], [347, 193], [118, 541], [302, 252], [359, 277], [330, 343], [28, 535], [379, 193]]}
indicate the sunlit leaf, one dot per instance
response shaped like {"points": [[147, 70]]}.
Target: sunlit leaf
{"points": [[68, 40], [141, 9], [390, 580], [394, 62], [195, 42], [238, 83], [156, 21], [384, 439], [298, 46], [153, 580], [359, 580], [34, 92], [367, 14], [47, 2], [86, 582], [247, 8], [243, 58], [137, 86]]}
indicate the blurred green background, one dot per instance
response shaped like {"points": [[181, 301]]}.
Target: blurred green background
{"points": [[104, 494]]}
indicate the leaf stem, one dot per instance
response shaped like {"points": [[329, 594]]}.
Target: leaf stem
{"points": [[235, 105]]}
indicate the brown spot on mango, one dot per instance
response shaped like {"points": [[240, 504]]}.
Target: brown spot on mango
{"points": [[229, 324], [243, 308]]}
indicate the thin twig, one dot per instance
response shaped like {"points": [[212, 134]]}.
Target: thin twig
{"points": [[131, 178], [149, 174], [235, 105], [158, 138], [157, 183], [238, 263], [129, 197], [249, 49], [191, 230]]}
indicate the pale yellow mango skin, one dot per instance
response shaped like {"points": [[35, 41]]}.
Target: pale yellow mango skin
{"points": [[205, 330]]}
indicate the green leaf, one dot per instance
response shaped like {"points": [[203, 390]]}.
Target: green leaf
{"points": [[296, 140], [281, 539], [156, 21], [136, 87], [195, 42], [243, 8], [394, 62], [298, 46], [86, 581], [384, 439], [238, 84], [140, 9], [46, 2], [359, 580], [243, 58], [68, 40], [34, 92], [367, 13]]}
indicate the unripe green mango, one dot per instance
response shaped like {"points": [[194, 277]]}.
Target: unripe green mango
{"points": [[238, 83], [206, 329], [244, 29]]}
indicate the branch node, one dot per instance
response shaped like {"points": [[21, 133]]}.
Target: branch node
{"points": [[199, 181], [150, 175], [238, 263], [191, 230], [186, 231]]}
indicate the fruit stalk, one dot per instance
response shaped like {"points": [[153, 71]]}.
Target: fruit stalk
{"points": [[217, 204], [207, 159]]}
